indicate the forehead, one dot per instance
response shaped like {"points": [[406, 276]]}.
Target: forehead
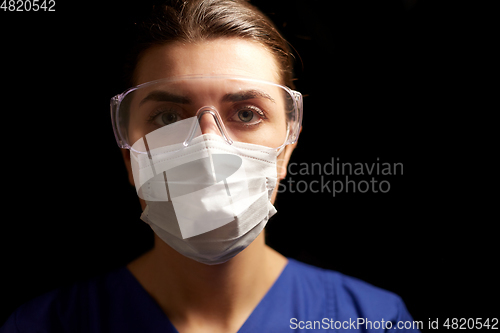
{"points": [[219, 56]]}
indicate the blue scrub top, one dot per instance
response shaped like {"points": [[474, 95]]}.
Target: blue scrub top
{"points": [[303, 299]]}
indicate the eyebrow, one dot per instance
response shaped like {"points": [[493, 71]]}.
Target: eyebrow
{"points": [[163, 96], [245, 95]]}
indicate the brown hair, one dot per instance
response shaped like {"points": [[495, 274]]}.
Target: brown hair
{"points": [[197, 20]]}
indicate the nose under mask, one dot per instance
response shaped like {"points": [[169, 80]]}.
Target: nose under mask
{"points": [[209, 200]]}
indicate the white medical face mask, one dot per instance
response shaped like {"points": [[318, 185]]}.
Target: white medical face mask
{"points": [[208, 201]]}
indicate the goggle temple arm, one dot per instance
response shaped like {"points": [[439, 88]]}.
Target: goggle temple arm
{"points": [[299, 104], [114, 103]]}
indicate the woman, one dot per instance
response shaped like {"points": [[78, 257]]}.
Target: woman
{"points": [[207, 131]]}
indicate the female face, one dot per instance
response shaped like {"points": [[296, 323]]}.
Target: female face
{"points": [[229, 56]]}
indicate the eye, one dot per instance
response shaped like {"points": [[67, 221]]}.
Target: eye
{"points": [[166, 118], [248, 115], [245, 115]]}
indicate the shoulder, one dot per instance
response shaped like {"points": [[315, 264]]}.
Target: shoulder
{"points": [[65, 308], [348, 297], [342, 285], [39, 313]]}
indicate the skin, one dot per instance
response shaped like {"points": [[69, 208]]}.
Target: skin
{"points": [[198, 297]]}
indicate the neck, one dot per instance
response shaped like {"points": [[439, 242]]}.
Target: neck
{"points": [[191, 292]]}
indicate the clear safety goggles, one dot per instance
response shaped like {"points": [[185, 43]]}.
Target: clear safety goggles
{"points": [[176, 110]]}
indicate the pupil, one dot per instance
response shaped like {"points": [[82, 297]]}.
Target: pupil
{"points": [[169, 118], [245, 115]]}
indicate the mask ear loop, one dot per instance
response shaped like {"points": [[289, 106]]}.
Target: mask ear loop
{"points": [[220, 124]]}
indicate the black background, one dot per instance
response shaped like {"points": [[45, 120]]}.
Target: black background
{"points": [[376, 76]]}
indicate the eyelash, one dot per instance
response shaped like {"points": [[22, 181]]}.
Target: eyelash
{"points": [[157, 112], [237, 108], [252, 108]]}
